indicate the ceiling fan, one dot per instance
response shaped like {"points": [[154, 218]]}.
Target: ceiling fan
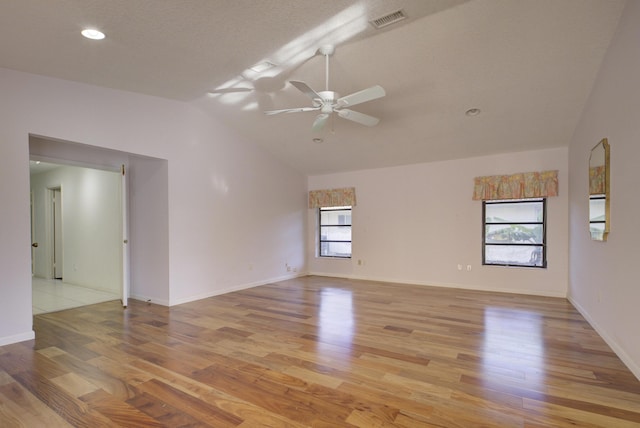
{"points": [[328, 102]]}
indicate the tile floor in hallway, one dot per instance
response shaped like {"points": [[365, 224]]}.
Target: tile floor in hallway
{"points": [[51, 295]]}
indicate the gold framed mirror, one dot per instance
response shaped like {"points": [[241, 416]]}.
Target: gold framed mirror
{"points": [[599, 182]]}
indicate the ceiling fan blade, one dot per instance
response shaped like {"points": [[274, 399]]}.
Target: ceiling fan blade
{"points": [[362, 96], [291, 110], [318, 124], [229, 90], [361, 118], [303, 87]]}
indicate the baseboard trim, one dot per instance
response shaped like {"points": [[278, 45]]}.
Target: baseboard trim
{"points": [[444, 285], [22, 337], [233, 288], [619, 351], [149, 299]]}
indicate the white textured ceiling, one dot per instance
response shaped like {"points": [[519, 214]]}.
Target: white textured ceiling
{"points": [[529, 65]]}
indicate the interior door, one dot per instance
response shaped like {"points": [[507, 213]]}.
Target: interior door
{"points": [[57, 233], [34, 244], [125, 240]]}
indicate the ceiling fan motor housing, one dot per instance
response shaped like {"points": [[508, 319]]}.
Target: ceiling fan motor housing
{"points": [[328, 101]]}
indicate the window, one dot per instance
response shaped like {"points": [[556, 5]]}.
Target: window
{"points": [[514, 233], [335, 232]]}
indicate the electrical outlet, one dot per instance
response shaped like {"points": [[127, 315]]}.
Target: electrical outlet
{"points": [[459, 267], [468, 268], [288, 268]]}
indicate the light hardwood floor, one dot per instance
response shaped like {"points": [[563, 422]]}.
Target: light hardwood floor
{"points": [[320, 352]]}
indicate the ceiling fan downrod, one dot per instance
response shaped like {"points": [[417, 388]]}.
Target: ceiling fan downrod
{"points": [[327, 51]]}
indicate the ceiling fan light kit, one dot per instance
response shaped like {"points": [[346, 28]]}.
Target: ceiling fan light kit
{"points": [[328, 102]]}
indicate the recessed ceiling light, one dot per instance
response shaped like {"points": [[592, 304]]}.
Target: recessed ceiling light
{"points": [[318, 140], [472, 112], [93, 34]]}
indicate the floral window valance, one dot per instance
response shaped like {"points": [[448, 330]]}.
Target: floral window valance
{"points": [[516, 186], [597, 180], [332, 197]]}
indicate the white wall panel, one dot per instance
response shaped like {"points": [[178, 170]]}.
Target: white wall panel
{"points": [[417, 223], [603, 280], [235, 214]]}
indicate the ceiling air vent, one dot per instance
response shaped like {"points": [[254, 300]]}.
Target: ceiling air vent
{"points": [[388, 19]]}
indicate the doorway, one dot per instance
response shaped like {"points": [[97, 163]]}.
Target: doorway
{"points": [[77, 226], [146, 214]]}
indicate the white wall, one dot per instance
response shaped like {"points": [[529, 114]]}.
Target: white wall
{"points": [[91, 226], [148, 181], [603, 281], [415, 224], [235, 214]]}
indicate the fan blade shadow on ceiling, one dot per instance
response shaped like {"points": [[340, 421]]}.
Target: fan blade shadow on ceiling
{"points": [[265, 101], [259, 91], [229, 90], [268, 83]]}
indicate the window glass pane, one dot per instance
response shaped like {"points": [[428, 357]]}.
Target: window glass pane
{"points": [[513, 234], [519, 212], [596, 209], [597, 229], [335, 217], [335, 233], [514, 255], [335, 249]]}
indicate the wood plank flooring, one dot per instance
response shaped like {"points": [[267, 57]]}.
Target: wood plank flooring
{"points": [[320, 352]]}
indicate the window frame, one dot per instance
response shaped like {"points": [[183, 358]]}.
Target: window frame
{"points": [[543, 223], [321, 226]]}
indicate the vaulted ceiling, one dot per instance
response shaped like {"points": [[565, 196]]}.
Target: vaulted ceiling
{"points": [[528, 66]]}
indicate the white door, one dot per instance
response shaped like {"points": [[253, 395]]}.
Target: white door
{"points": [[125, 240], [34, 244], [57, 233]]}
